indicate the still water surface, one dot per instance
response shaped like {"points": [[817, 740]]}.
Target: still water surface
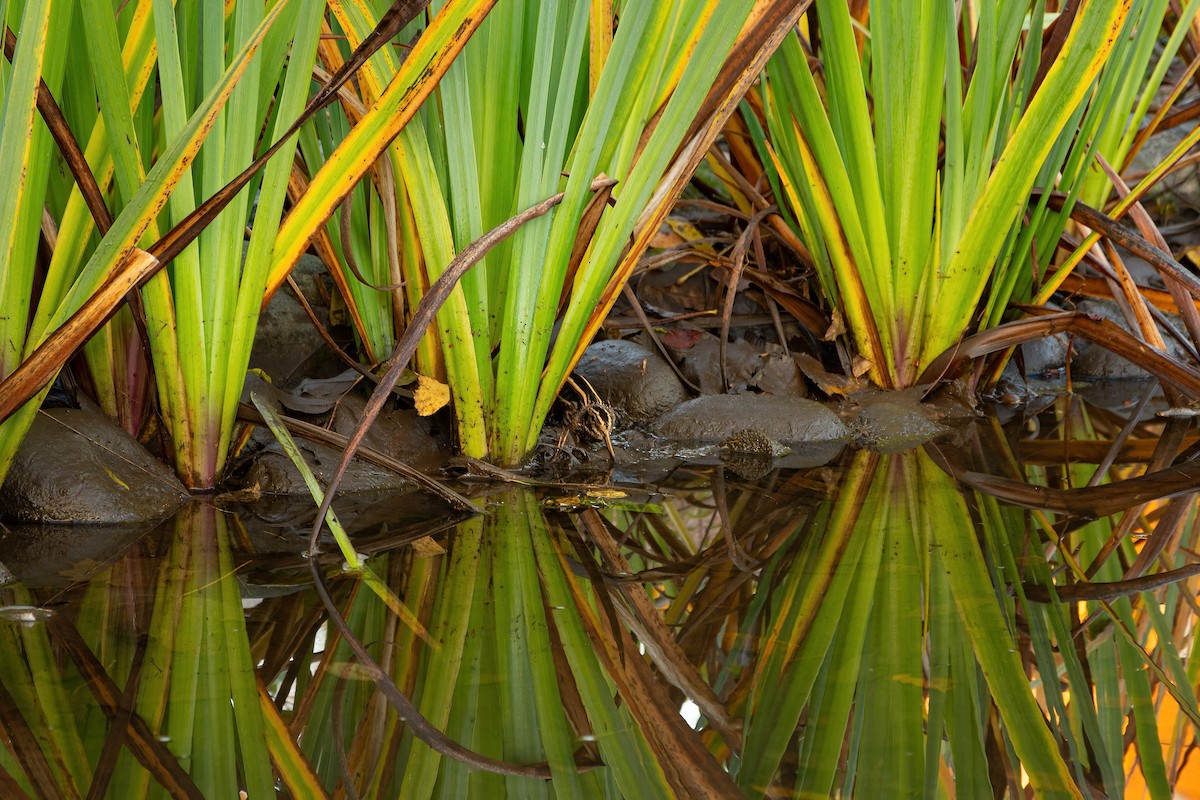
{"points": [[886, 625]]}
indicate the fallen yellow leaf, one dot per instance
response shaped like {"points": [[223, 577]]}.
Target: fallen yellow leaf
{"points": [[430, 395]]}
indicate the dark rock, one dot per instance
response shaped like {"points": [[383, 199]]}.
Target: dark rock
{"points": [[1044, 356], [273, 472], [75, 466], [638, 384], [420, 442], [401, 434], [893, 425], [56, 556], [286, 345], [788, 420], [766, 368]]}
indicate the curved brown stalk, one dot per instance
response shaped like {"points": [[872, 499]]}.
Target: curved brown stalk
{"points": [[1048, 323], [344, 233], [1091, 501], [1109, 591], [422, 729], [738, 265]]}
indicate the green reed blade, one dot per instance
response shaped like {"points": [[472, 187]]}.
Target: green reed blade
{"points": [[275, 423], [890, 684], [233, 645], [1145, 721], [449, 626], [989, 636]]}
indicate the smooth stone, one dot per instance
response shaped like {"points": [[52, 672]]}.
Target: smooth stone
{"points": [[889, 426], [788, 420], [76, 466], [420, 442], [273, 473], [638, 384]]}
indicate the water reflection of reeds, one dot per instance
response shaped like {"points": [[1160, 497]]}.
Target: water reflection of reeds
{"points": [[865, 629]]}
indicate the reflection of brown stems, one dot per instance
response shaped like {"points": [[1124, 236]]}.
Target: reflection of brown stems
{"points": [[688, 767], [737, 556], [25, 747], [1109, 591], [150, 752], [120, 723], [1094, 501], [638, 614]]}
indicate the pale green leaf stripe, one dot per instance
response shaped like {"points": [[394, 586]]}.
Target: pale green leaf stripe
{"points": [[890, 756], [104, 56], [272, 194], [829, 710], [475, 716], [234, 647]]}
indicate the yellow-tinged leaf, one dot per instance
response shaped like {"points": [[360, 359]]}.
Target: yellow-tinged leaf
{"points": [[419, 74], [688, 232], [427, 547], [430, 395], [606, 494], [599, 40], [293, 766]]}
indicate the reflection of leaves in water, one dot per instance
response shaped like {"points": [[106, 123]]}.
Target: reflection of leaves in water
{"points": [[873, 639]]}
